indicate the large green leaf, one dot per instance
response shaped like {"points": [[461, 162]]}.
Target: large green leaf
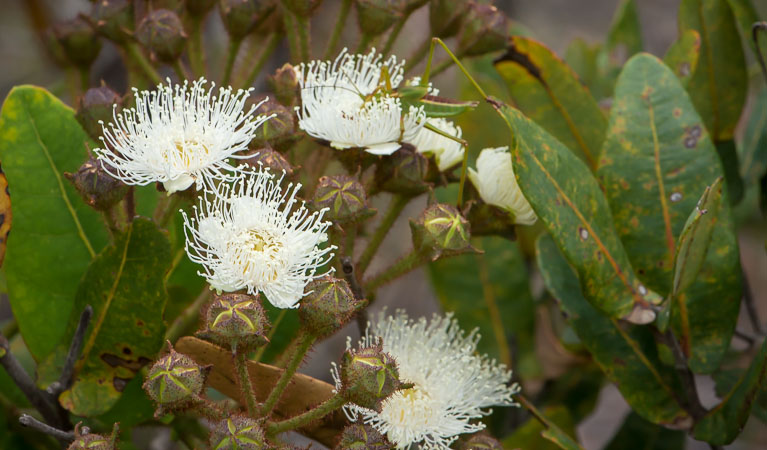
{"points": [[639, 433], [570, 203], [721, 425], [745, 15], [683, 55], [753, 147], [626, 353], [125, 285], [499, 276], [549, 92], [55, 234], [727, 379], [657, 161]]}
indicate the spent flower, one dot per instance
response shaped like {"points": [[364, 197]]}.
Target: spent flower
{"points": [[447, 152], [254, 235], [495, 182]]}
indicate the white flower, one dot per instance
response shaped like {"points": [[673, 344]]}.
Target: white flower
{"points": [[347, 103], [253, 235], [494, 179], [446, 151], [452, 385], [178, 135]]}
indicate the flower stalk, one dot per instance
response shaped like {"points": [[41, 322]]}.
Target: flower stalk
{"points": [[304, 344]]}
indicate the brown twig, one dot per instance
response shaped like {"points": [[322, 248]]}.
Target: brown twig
{"points": [[31, 422], [67, 373]]}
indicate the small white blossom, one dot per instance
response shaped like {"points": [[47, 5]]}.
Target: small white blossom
{"points": [[446, 151], [452, 384], [494, 179], [178, 135], [345, 102], [253, 235]]}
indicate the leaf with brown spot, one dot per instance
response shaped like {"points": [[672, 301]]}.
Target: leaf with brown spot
{"points": [[302, 394], [682, 57], [6, 215]]}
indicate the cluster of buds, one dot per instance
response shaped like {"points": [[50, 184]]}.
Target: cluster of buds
{"points": [[357, 436], [441, 230], [175, 382], [238, 433], [328, 307], [344, 197], [76, 39], [368, 375], [235, 320]]}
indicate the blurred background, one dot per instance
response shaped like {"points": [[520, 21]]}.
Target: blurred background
{"points": [[25, 60]]}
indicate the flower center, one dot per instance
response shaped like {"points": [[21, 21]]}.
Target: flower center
{"points": [[186, 152]]}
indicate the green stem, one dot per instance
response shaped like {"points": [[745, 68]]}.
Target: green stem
{"points": [[396, 270], [398, 203], [271, 45], [292, 33], [395, 33], [364, 42], [188, 318], [85, 80], [246, 386], [234, 48], [338, 28], [325, 408], [351, 235], [303, 346], [196, 50], [135, 54], [10, 329], [111, 221], [462, 183], [275, 325], [303, 29]]}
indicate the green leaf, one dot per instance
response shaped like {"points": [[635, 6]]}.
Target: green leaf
{"points": [[549, 92], [625, 353], [718, 87], [656, 162], [624, 39], [639, 433], [570, 204], [577, 389], [745, 15], [753, 147], [125, 285], [530, 436], [582, 58], [721, 425], [491, 292], [133, 408], [682, 57], [727, 379], [55, 234]]}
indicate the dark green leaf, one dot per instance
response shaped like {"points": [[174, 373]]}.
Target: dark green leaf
{"points": [[745, 15], [133, 408], [582, 57], [657, 161], [125, 285], [624, 39], [55, 234], [726, 380], [639, 433], [682, 57], [577, 389], [722, 424], [530, 436], [570, 204], [548, 91], [625, 353], [753, 147]]}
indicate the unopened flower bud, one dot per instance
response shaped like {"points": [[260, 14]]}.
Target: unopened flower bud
{"points": [[441, 230], [175, 381], [113, 18], [485, 30], [480, 441], [376, 16], [241, 16], [199, 8], [329, 306], [368, 376], [271, 159], [344, 197], [237, 433], [78, 40], [280, 131], [84, 440], [358, 436], [302, 8], [446, 17], [403, 172], [97, 104], [162, 33], [494, 180], [236, 320], [94, 184], [284, 84]]}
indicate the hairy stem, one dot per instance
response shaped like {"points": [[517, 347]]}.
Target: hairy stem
{"points": [[31, 422], [134, 52], [292, 32], [304, 45], [231, 57], [272, 42], [398, 203], [303, 346], [196, 50], [272, 331], [396, 270], [343, 13], [364, 42], [325, 408], [186, 320], [246, 386]]}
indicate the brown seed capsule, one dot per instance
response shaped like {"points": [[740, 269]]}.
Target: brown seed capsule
{"points": [[441, 230], [358, 436], [368, 376], [485, 30], [284, 84], [97, 104], [328, 307], [270, 159], [237, 433], [99, 189], [241, 16], [162, 33], [344, 197], [279, 132], [376, 16], [113, 18], [199, 8], [175, 381], [480, 441], [236, 320], [403, 172], [79, 42]]}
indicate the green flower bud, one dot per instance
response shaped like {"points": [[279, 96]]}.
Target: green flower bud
{"points": [[84, 440], [113, 18], [241, 16], [97, 104], [329, 306], [97, 188], [175, 381], [376, 16], [480, 442], [284, 84], [358, 436], [403, 172], [280, 131], [303, 8], [199, 8], [236, 320], [441, 230], [446, 17], [485, 30], [78, 41], [162, 33], [271, 159], [368, 376], [237, 433], [344, 197]]}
